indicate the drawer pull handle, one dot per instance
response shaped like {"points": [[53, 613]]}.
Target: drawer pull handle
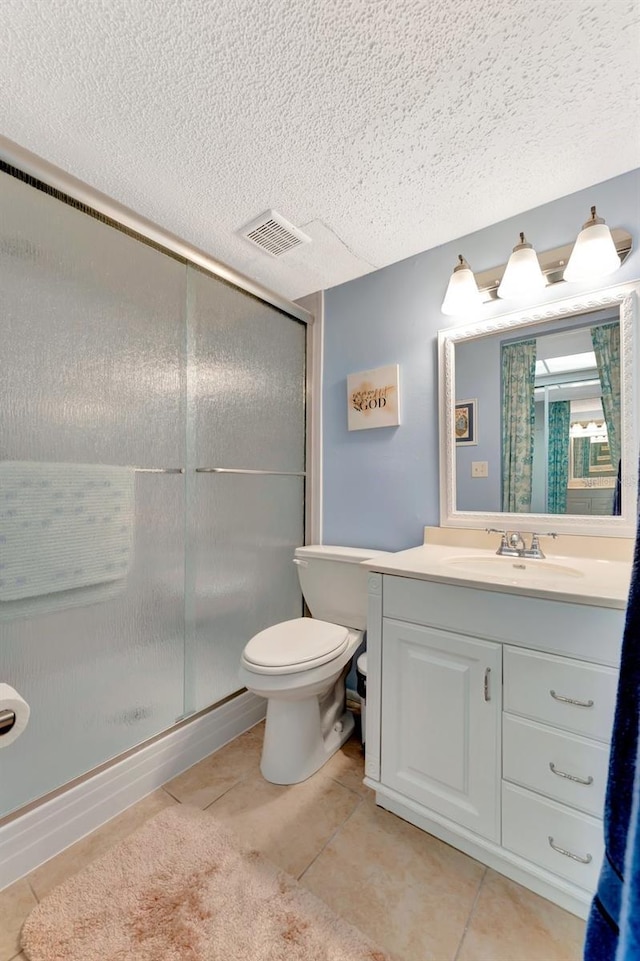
{"points": [[570, 777], [487, 693], [570, 700], [568, 854]]}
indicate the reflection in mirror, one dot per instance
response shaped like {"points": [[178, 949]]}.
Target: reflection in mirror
{"points": [[549, 384], [552, 411], [577, 405]]}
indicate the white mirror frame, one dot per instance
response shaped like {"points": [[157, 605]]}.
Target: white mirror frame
{"points": [[627, 297]]}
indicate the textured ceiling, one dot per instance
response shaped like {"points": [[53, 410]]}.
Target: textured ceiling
{"points": [[380, 127]]}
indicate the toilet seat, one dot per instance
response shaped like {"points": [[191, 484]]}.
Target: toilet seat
{"points": [[296, 645]]}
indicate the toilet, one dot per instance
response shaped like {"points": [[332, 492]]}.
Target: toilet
{"points": [[301, 665]]}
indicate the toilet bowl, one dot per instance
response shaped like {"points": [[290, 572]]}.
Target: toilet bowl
{"points": [[300, 665]]}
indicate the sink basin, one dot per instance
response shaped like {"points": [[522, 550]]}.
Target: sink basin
{"points": [[523, 569]]}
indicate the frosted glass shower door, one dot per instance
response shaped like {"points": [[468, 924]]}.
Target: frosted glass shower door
{"points": [[245, 478], [92, 334]]}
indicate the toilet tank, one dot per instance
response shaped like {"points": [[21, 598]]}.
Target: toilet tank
{"points": [[334, 584]]}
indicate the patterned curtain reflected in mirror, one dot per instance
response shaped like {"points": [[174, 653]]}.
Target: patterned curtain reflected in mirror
{"points": [[581, 456], [606, 344], [518, 424], [558, 456]]}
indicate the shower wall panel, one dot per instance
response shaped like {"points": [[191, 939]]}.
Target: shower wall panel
{"points": [[93, 372], [246, 388]]}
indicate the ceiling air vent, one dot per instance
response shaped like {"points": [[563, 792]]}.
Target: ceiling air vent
{"points": [[272, 233]]}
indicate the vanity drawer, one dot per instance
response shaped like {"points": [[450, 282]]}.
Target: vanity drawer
{"points": [[572, 695], [529, 750], [531, 824]]}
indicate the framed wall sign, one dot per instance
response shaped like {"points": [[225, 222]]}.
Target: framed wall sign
{"points": [[465, 422], [373, 398]]}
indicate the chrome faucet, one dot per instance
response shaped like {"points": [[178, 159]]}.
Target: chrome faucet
{"points": [[513, 545]]}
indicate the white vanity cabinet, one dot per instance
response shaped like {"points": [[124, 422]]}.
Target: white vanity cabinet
{"points": [[441, 722], [488, 723]]}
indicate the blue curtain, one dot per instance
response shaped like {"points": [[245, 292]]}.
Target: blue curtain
{"points": [[613, 929], [518, 424], [558, 456], [617, 494]]}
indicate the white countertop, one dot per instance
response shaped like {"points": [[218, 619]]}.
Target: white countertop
{"points": [[576, 580]]}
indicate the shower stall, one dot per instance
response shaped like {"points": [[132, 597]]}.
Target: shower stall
{"points": [[152, 482]]}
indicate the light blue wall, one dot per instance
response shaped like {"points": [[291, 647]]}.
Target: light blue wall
{"points": [[381, 486]]}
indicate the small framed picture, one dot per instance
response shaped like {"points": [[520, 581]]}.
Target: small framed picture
{"points": [[465, 422]]}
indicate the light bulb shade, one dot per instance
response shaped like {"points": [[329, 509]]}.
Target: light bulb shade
{"points": [[462, 294], [594, 254], [522, 276]]}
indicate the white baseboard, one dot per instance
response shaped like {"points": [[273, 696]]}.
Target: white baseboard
{"points": [[44, 831]]}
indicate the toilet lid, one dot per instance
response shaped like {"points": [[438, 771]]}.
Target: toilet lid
{"points": [[304, 641]]}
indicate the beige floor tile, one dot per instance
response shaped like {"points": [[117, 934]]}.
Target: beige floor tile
{"points": [[207, 780], [511, 923], [289, 824], [407, 891], [347, 767], [16, 902], [74, 858]]}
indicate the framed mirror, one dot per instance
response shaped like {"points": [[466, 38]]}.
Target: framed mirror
{"points": [[549, 440]]}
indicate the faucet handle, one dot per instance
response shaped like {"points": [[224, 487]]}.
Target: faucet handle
{"points": [[503, 542], [535, 549]]}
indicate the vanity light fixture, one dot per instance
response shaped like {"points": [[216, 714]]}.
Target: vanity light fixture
{"points": [[468, 291], [462, 293], [522, 276], [594, 253], [596, 432]]}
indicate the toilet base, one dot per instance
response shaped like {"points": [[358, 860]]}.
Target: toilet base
{"points": [[294, 747]]}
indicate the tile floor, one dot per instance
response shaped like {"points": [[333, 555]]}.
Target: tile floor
{"points": [[415, 896]]}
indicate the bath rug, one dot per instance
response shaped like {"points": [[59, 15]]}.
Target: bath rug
{"points": [[181, 888]]}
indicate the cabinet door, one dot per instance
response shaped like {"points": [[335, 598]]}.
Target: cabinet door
{"points": [[441, 702]]}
